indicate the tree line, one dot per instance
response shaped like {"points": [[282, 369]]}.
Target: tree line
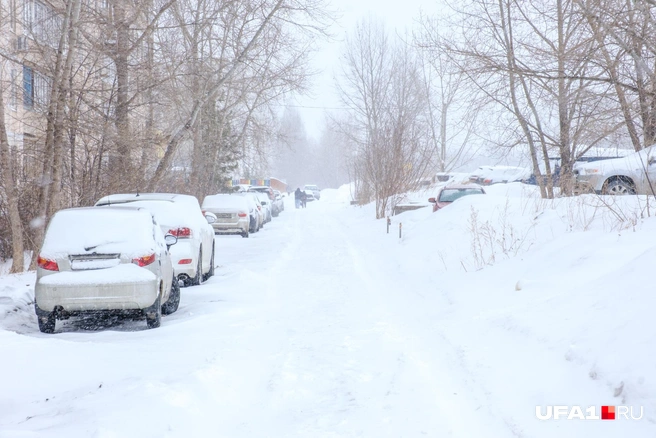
{"points": [[551, 78], [140, 95]]}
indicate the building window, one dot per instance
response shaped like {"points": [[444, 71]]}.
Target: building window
{"points": [[28, 88], [41, 89], [41, 22]]}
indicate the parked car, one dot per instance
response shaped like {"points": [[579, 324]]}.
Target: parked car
{"points": [[100, 260], [258, 210], [275, 210], [232, 213], [280, 202], [263, 189], [451, 192], [309, 195], [316, 192], [194, 253], [267, 206], [629, 175], [487, 175]]}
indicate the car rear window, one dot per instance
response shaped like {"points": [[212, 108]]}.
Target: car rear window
{"points": [[102, 230], [225, 201]]}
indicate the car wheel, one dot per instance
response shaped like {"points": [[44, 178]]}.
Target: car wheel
{"points": [[199, 271], [47, 322], [244, 234], [154, 314], [211, 271], [252, 226], [174, 298], [619, 187]]}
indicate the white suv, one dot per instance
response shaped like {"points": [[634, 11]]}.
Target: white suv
{"points": [[316, 192]]}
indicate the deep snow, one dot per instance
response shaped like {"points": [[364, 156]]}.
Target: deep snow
{"points": [[324, 325]]}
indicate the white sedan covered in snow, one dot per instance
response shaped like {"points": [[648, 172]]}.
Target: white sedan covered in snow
{"points": [[107, 259], [231, 211], [193, 257]]}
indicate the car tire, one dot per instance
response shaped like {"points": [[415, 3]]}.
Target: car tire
{"points": [[174, 298], [619, 187], [210, 273], [47, 322], [252, 226], [154, 314], [198, 279], [244, 234]]}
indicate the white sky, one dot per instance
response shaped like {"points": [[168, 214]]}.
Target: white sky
{"points": [[397, 15]]}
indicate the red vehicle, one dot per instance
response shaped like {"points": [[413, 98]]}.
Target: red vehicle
{"points": [[451, 192]]}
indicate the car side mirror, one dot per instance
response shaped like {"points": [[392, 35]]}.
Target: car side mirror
{"points": [[170, 240], [432, 200], [210, 217]]}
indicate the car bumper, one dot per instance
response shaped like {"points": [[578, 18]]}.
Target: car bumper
{"points": [[589, 183], [231, 227], [184, 249], [121, 288]]}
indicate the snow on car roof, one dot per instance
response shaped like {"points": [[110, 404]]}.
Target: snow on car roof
{"points": [[128, 197], [167, 213], [104, 230], [225, 201]]}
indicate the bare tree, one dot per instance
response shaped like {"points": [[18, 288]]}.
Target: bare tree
{"points": [[10, 190], [381, 84]]}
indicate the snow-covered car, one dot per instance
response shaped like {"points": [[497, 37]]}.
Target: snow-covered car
{"points": [[231, 211], [256, 208], [629, 175], [267, 205], [109, 259], [194, 253], [316, 192], [309, 195], [452, 192], [487, 175], [271, 201], [279, 202]]}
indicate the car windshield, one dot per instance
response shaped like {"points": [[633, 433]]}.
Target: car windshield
{"points": [[224, 201], [450, 195]]}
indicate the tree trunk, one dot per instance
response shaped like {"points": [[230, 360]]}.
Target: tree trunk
{"points": [[11, 193]]}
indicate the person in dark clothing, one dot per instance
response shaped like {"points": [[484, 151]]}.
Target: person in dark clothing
{"points": [[303, 198], [297, 197]]}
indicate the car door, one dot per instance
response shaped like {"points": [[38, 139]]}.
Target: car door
{"points": [[208, 244], [166, 266], [650, 174]]}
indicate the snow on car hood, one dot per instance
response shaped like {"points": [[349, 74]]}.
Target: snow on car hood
{"points": [[635, 161]]}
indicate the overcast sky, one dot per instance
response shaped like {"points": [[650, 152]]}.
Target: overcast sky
{"points": [[398, 14]]}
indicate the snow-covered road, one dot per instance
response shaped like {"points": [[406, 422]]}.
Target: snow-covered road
{"points": [[310, 328]]}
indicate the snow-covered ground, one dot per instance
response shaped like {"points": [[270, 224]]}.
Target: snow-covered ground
{"points": [[324, 325]]}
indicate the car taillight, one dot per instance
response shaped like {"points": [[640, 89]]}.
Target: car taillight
{"points": [[47, 264], [181, 232], [242, 214], [184, 262], [259, 207], [145, 260]]}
